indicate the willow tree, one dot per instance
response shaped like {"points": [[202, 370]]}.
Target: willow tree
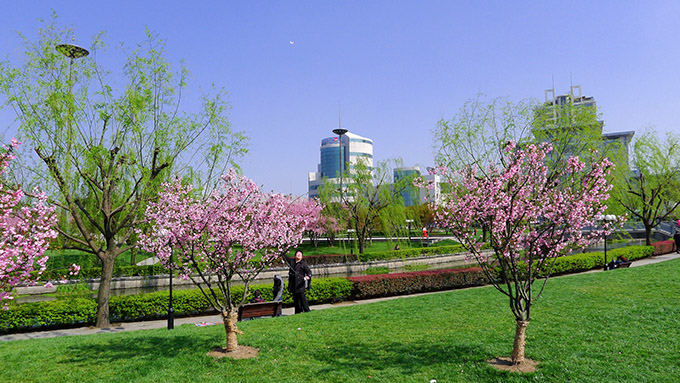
{"points": [[106, 141], [651, 191]]}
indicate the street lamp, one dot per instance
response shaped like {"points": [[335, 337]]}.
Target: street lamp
{"points": [[171, 311], [72, 52], [606, 218], [340, 132], [409, 222]]}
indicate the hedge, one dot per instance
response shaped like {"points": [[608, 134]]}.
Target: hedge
{"points": [[383, 285], [70, 312], [664, 247], [73, 312]]}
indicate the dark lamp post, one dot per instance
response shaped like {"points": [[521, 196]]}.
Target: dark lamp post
{"points": [[340, 132], [606, 218]]}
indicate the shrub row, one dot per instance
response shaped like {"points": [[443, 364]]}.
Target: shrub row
{"points": [[71, 312], [588, 261], [664, 247], [372, 286]]}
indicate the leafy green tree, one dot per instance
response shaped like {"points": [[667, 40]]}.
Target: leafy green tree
{"points": [[366, 193], [651, 193], [105, 142]]}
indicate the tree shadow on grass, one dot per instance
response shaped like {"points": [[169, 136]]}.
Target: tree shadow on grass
{"points": [[400, 357], [146, 347]]}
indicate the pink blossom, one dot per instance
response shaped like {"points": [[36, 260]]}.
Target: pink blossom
{"points": [[25, 233]]}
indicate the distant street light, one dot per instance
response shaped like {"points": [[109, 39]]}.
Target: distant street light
{"points": [[171, 311], [606, 218], [409, 222], [72, 52], [340, 132]]}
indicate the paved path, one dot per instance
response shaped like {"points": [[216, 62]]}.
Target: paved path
{"points": [[133, 326]]}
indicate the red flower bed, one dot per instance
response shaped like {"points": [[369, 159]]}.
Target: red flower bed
{"points": [[663, 247], [383, 285]]}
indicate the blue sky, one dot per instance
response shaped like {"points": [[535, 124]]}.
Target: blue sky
{"points": [[393, 68]]}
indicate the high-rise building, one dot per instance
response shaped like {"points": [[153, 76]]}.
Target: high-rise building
{"points": [[560, 112], [339, 156], [413, 196]]}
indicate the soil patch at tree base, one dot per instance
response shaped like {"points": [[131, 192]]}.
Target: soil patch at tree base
{"points": [[505, 364], [241, 352]]}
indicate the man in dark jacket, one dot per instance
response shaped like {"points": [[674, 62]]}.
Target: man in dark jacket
{"points": [[299, 277], [676, 238]]}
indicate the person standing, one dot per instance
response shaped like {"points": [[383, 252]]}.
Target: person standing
{"points": [[676, 238], [299, 280]]}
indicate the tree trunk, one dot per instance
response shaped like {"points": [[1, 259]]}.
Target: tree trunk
{"points": [[520, 342], [648, 235], [104, 292], [230, 318]]}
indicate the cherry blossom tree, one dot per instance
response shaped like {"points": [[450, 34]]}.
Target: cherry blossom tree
{"points": [[533, 216], [237, 231], [25, 233]]}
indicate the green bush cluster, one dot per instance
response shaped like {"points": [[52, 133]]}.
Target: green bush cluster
{"points": [[51, 314], [588, 261]]}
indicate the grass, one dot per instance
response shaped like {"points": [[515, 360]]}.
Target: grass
{"points": [[617, 326]]}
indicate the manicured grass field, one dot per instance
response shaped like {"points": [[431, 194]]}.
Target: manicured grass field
{"points": [[615, 326]]}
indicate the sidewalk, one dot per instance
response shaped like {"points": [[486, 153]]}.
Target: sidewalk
{"points": [[134, 326]]}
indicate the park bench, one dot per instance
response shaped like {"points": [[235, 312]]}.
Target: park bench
{"points": [[260, 309], [623, 264]]}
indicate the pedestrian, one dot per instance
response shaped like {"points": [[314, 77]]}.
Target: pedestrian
{"points": [[676, 238], [277, 290], [257, 297], [299, 281]]}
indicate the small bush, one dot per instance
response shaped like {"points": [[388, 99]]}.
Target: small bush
{"points": [[663, 247]]}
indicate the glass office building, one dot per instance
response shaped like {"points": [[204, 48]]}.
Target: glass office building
{"points": [[337, 157]]}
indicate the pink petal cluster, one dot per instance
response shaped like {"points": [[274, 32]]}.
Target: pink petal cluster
{"points": [[25, 233], [532, 214], [237, 230]]}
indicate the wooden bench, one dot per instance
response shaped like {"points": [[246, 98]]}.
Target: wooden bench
{"points": [[623, 265], [260, 309]]}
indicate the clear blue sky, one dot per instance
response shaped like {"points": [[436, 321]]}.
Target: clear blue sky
{"points": [[394, 68]]}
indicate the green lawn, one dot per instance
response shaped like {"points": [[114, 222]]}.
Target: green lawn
{"points": [[616, 326]]}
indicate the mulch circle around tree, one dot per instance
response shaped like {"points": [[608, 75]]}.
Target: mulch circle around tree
{"points": [[241, 352], [505, 364]]}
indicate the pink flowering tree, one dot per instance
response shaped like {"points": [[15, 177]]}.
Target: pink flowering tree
{"points": [[314, 226], [25, 233], [236, 232], [532, 215]]}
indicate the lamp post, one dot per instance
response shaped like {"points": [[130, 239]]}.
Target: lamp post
{"points": [[171, 311], [606, 218], [409, 222], [72, 52], [340, 132]]}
